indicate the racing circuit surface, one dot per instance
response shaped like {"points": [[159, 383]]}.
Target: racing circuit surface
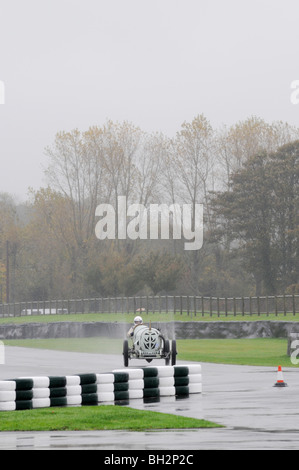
{"points": [[256, 415]]}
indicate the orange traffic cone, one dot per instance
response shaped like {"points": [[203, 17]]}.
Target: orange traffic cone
{"points": [[280, 382]]}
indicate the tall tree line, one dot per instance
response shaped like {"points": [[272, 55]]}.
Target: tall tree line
{"points": [[246, 177]]}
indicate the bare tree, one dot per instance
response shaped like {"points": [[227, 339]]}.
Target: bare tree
{"points": [[193, 158], [149, 184], [236, 144]]}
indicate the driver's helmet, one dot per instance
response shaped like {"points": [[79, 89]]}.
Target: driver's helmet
{"points": [[138, 320]]}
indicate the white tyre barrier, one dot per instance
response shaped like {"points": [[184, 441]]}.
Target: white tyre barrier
{"points": [[7, 396], [73, 400], [165, 371], [8, 406], [105, 387], [136, 384], [120, 385], [38, 382], [167, 391], [135, 393], [166, 381], [195, 378], [72, 390], [72, 380], [7, 385], [41, 403], [41, 393], [105, 397], [133, 374], [105, 378]]}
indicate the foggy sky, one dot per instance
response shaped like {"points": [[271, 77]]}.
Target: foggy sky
{"points": [[72, 64]]}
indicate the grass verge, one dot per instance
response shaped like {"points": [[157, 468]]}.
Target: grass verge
{"points": [[91, 418], [256, 352], [252, 352], [154, 317]]}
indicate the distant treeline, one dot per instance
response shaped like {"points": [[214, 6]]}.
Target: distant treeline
{"points": [[246, 177]]}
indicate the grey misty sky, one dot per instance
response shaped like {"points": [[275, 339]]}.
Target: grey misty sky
{"points": [[156, 63]]}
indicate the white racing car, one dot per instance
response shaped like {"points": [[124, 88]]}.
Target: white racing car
{"points": [[148, 343]]}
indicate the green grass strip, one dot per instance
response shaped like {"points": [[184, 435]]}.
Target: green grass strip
{"points": [[154, 317], [254, 351], [105, 417]]}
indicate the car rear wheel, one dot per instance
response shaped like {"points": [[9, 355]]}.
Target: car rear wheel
{"points": [[173, 352], [126, 352], [167, 351]]}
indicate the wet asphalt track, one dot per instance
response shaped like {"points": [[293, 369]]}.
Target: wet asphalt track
{"points": [[255, 414]]}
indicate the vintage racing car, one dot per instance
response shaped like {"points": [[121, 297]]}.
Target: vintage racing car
{"points": [[148, 343]]}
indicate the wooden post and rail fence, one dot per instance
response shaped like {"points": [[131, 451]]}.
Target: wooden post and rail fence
{"points": [[176, 305]]}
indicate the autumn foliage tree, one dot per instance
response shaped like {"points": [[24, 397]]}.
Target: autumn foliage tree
{"points": [[261, 209], [245, 175]]}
